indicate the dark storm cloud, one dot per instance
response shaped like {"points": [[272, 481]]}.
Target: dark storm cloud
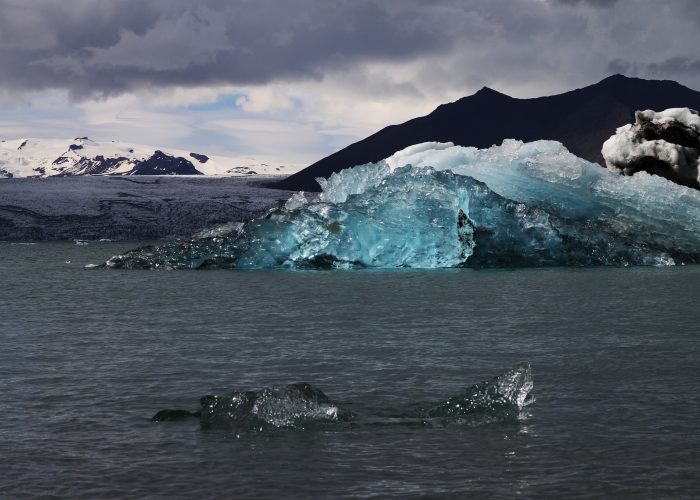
{"points": [[596, 3], [675, 66], [98, 48], [109, 47], [668, 68]]}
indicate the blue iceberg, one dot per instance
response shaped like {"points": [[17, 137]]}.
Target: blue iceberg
{"points": [[436, 205]]}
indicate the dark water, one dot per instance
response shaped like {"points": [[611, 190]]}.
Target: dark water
{"points": [[87, 357]]}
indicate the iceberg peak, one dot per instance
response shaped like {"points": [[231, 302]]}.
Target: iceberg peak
{"points": [[665, 143]]}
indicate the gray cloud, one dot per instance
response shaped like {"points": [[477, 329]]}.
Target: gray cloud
{"points": [[595, 3], [674, 67], [94, 48], [622, 67]]}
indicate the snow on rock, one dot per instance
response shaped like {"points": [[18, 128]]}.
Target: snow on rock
{"points": [[440, 205], [665, 143], [82, 156]]}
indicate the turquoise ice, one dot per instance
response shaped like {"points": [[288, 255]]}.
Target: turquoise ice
{"points": [[437, 205]]}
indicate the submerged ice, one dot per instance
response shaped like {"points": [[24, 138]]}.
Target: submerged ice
{"points": [[438, 205], [301, 406]]}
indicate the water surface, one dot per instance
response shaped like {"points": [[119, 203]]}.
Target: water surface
{"points": [[88, 356]]}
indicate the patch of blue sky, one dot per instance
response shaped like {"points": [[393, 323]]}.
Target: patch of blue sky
{"points": [[222, 102], [234, 102]]}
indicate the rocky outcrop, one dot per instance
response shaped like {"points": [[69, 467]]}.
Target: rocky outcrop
{"points": [[164, 164], [665, 143], [200, 158]]}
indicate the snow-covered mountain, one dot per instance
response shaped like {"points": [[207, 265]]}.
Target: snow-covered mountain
{"points": [[82, 156]]}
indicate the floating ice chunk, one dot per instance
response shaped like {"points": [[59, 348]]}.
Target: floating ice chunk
{"points": [[294, 406], [666, 143], [499, 399], [432, 206], [301, 406]]}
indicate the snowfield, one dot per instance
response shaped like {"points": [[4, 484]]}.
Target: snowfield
{"points": [[82, 156]]}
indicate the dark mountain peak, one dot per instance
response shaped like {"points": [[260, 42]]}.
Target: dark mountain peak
{"points": [[581, 119], [621, 83], [489, 92], [161, 163], [620, 79], [617, 77], [485, 96]]}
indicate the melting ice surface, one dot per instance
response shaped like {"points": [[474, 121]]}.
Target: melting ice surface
{"points": [[302, 406], [438, 205]]}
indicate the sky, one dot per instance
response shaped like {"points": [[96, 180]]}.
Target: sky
{"points": [[292, 81]]}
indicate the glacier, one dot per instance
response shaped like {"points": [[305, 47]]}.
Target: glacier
{"points": [[437, 205]]}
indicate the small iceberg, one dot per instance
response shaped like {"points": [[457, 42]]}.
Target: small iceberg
{"points": [[301, 406]]}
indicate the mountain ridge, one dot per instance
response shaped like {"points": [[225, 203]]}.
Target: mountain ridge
{"points": [[31, 157], [582, 119]]}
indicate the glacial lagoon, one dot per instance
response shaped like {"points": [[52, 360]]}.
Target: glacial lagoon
{"points": [[89, 356]]}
